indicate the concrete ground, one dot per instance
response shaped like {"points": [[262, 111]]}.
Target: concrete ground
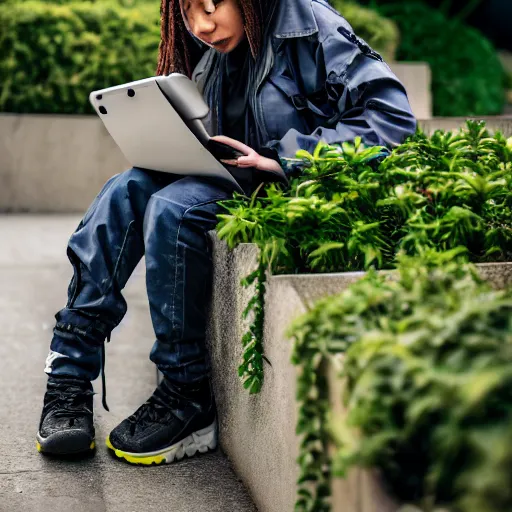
{"points": [[34, 274]]}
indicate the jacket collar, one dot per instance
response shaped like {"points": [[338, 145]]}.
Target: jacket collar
{"points": [[294, 18]]}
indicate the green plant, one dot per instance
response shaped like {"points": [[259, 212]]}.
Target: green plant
{"points": [[347, 211], [52, 56], [342, 213], [450, 8], [427, 365], [251, 368], [379, 32], [467, 75], [447, 7]]}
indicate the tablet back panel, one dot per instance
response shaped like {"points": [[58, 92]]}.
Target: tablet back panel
{"points": [[151, 134]]}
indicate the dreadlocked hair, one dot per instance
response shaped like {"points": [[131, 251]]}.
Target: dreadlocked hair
{"points": [[178, 51]]}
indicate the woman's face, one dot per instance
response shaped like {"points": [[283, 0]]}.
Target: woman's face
{"points": [[218, 23]]}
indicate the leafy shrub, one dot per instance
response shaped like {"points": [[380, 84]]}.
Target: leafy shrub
{"points": [[467, 75], [379, 32], [348, 212], [428, 369], [53, 56]]}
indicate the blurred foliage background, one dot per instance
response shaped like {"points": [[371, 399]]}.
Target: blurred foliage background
{"points": [[468, 78], [52, 54]]}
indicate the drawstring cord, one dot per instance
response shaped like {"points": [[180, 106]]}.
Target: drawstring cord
{"points": [[103, 379], [70, 328]]}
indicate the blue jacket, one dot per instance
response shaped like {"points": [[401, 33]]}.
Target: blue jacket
{"points": [[319, 81]]}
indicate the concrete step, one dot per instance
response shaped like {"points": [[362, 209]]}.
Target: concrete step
{"points": [[34, 275]]}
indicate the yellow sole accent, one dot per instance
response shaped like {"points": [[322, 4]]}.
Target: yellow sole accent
{"points": [[39, 448], [145, 460], [109, 444]]}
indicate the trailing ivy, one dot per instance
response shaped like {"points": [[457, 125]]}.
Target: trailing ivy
{"points": [[251, 368], [311, 355], [427, 361]]}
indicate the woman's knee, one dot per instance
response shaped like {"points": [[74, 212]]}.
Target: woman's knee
{"points": [[134, 186], [134, 179], [129, 191], [161, 214]]}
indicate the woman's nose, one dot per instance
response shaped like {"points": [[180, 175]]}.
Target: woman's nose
{"points": [[203, 25]]}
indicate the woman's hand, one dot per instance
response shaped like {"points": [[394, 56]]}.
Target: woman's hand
{"points": [[250, 159]]}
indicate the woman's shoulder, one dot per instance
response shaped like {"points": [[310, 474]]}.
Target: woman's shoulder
{"points": [[336, 34], [329, 20]]}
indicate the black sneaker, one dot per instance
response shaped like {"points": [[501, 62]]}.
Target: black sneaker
{"points": [[66, 425], [177, 420]]}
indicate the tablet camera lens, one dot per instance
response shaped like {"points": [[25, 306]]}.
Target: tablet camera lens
{"points": [[103, 110], [99, 96], [131, 93]]}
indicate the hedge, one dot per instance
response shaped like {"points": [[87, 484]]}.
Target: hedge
{"points": [[467, 75], [380, 33], [52, 55]]}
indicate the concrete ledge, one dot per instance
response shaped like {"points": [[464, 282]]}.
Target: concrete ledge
{"points": [[258, 432], [416, 77], [52, 163], [58, 164], [494, 124]]}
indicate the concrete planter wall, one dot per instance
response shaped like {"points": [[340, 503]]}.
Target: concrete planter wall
{"points": [[498, 123], [416, 77], [258, 432], [51, 164], [57, 164]]}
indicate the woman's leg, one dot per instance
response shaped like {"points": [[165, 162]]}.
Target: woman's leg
{"points": [[179, 272], [179, 418], [104, 251]]}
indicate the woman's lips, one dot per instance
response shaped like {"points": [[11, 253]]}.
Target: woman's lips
{"points": [[219, 43]]}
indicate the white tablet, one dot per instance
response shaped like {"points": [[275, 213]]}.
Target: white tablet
{"points": [[157, 124]]}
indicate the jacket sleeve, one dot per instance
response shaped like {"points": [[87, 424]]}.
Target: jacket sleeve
{"points": [[370, 100]]}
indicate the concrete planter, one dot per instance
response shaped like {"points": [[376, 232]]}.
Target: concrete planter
{"points": [[494, 124], [57, 164], [258, 432], [416, 77], [51, 163]]}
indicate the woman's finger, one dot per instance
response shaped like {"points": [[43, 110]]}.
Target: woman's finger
{"points": [[246, 161], [233, 162]]}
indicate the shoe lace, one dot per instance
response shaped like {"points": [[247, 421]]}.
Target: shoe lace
{"points": [[70, 400], [103, 378], [160, 407]]}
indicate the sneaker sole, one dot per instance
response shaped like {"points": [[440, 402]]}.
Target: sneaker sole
{"points": [[70, 442], [201, 441]]}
